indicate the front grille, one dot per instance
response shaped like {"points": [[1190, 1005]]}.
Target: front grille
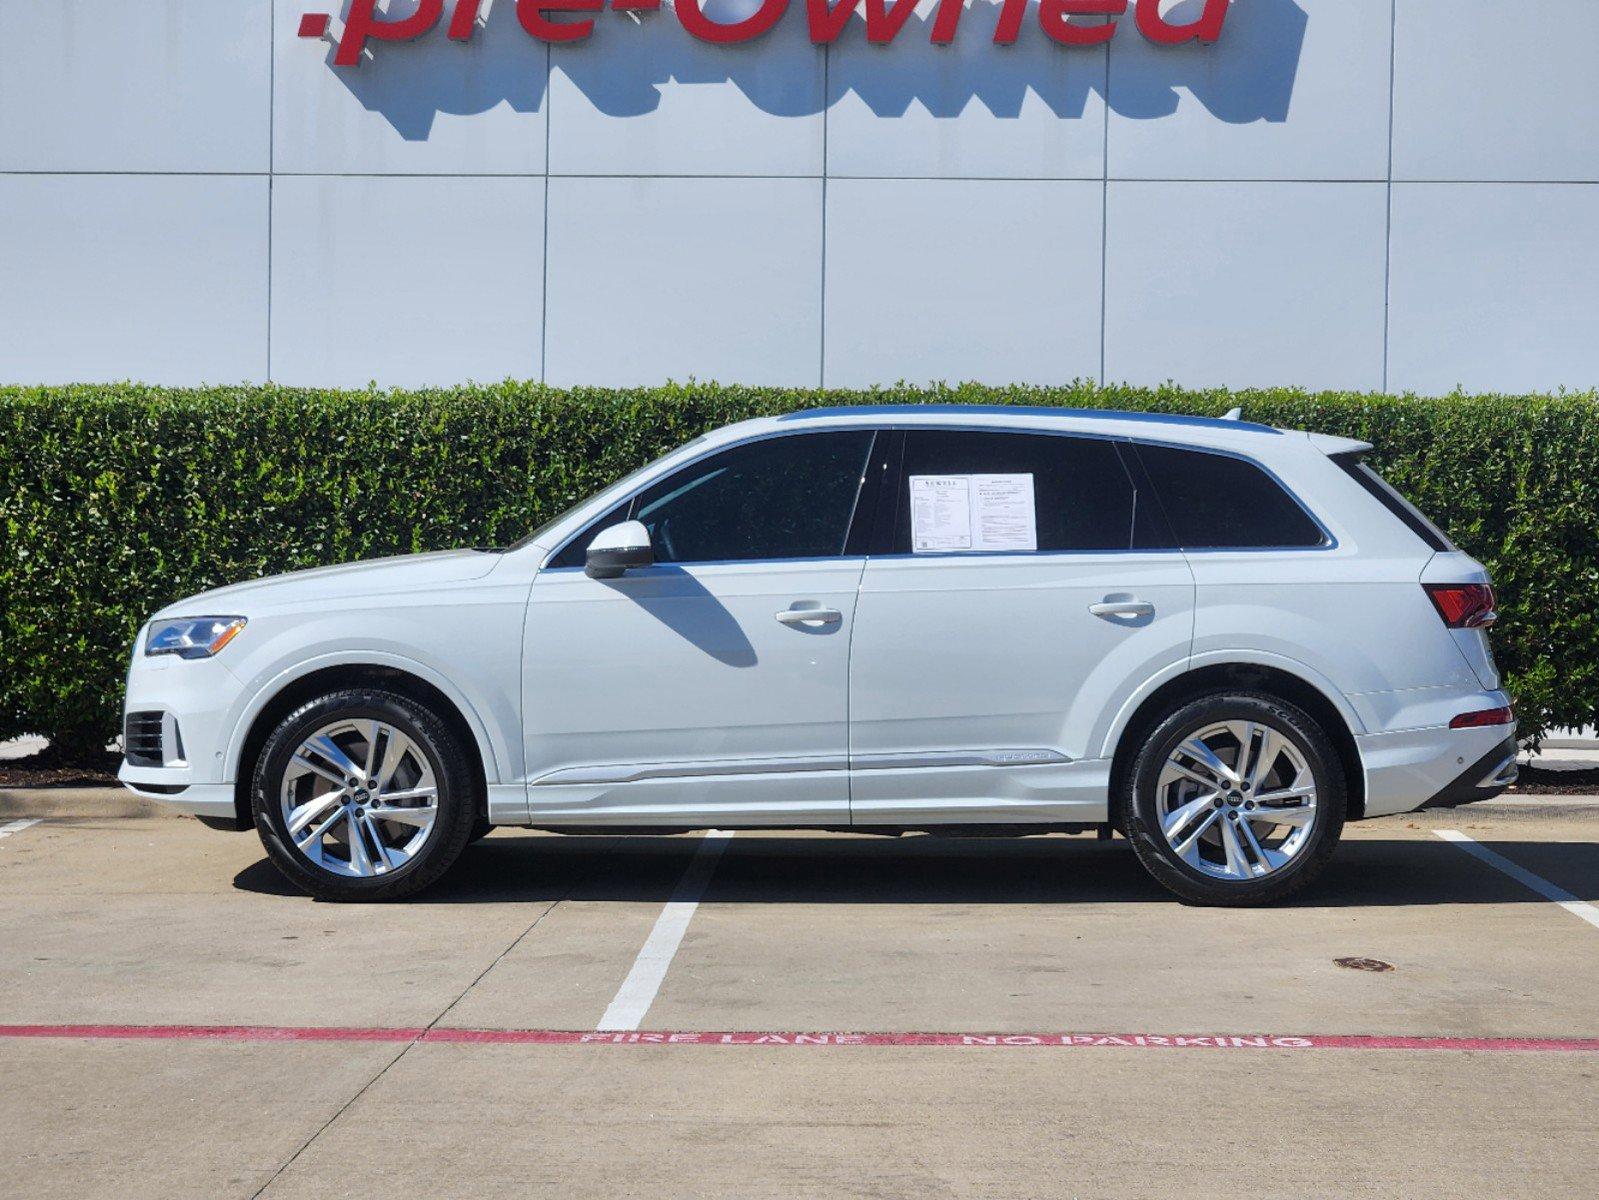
{"points": [[141, 739]]}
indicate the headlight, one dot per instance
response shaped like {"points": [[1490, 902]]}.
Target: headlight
{"points": [[192, 637]]}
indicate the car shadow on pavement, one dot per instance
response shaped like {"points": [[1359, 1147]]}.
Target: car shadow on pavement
{"points": [[774, 868]]}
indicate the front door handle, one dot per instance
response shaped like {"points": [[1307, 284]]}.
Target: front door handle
{"points": [[810, 616], [1123, 608]]}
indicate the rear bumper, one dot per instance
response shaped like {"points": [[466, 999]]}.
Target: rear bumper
{"points": [[1416, 768], [1483, 780]]}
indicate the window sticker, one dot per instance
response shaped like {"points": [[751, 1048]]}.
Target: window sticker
{"points": [[972, 512]]}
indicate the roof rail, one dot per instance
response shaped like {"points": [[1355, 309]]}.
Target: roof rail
{"points": [[1028, 410]]}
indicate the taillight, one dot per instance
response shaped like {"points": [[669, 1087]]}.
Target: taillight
{"points": [[1487, 716], [1463, 605]]}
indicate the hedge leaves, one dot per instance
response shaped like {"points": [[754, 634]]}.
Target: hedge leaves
{"points": [[117, 500]]}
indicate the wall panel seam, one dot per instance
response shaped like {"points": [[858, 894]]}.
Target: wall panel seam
{"points": [[1104, 222], [821, 366], [1388, 225], [544, 281], [272, 164]]}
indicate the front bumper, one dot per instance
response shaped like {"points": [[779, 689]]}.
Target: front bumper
{"points": [[193, 699], [196, 799]]}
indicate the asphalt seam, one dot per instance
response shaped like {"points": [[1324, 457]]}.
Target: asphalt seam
{"points": [[321, 1129], [407, 1048], [498, 959]]}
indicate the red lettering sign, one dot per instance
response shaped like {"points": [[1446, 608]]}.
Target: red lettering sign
{"points": [[707, 30], [827, 20], [531, 14], [363, 23], [1206, 27], [1052, 16]]}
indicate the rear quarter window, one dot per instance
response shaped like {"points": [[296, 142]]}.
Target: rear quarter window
{"points": [[1394, 501], [1218, 502]]}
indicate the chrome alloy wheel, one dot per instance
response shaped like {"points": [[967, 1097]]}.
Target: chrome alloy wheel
{"points": [[359, 798], [1237, 800]]}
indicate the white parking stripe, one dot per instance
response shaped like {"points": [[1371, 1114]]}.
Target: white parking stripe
{"points": [[18, 826], [1549, 891], [1548, 800], [638, 990]]}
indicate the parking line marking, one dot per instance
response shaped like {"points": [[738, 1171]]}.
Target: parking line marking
{"points": [[18, 826], [755, 1037], [638, 990], [1549, 891], [1552, 800]]}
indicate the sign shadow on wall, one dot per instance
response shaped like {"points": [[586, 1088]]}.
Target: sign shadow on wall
{"points": [[633, 60]]}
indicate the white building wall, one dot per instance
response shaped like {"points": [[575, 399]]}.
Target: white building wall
{"points": [[1398, 194]]}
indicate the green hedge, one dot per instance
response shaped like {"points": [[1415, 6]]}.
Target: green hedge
{"points": [[117, 500]]}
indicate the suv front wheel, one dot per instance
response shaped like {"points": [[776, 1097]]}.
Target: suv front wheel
{"points": [[364, 794], [1235, 799]]}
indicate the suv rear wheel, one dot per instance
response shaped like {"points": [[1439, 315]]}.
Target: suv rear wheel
{"points": [[1236, 798], [363, 794]]}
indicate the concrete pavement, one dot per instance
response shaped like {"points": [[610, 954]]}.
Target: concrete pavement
{"points": [[111, 913]]}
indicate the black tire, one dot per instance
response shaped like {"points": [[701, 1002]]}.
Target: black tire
{"points": [[457, 799], [1139, 803]]}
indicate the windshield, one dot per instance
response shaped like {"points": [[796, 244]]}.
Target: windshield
{"points": [[621, 485]]}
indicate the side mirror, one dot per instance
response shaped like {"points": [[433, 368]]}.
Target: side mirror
{"points": [[616, 549]]}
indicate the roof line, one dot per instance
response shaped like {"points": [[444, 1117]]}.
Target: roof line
{"points": [[1027, 410]]}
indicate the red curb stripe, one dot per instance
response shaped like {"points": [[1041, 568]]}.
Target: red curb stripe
{"points": [[568, 1037], [214, 1033]]}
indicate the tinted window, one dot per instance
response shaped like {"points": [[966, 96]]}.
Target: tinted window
{"points": [[575, 552], [1390, 498], [1082, 496], [1216, 502], [785, 497]]}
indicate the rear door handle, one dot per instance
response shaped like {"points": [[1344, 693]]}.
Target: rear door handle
{"points": [[1123, 608], [810, 616]]}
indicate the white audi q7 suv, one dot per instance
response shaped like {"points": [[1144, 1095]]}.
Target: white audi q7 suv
{"points": [[1221, 639]]}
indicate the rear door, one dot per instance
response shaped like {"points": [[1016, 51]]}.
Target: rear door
{"points": [[1027, 587]]}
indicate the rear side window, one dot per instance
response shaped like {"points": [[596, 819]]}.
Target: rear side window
{"points": [[1390, 498], [1043, 492], [1217, 502]]}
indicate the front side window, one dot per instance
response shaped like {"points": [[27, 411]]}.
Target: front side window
{"points": [[1217, 502], [782, 497], [968, 491]]}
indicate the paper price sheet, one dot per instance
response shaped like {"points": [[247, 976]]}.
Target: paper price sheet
{"points": [[972, 512]]}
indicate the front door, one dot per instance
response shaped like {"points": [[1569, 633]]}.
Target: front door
{"points": [[1028, 588], [711, 687]]}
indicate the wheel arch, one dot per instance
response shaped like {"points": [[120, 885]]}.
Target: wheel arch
{"points": [[276, 703], [1148, 711]]}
